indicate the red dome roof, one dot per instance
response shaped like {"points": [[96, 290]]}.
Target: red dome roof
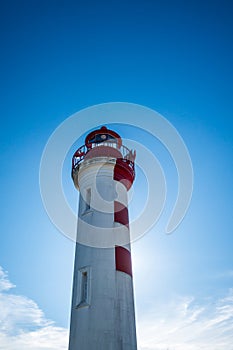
{"points": [[101, 135]]}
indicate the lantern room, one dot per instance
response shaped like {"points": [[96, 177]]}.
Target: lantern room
{"points": [[106, 143]]}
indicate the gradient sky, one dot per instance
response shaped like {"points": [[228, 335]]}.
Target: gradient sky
{"points": [[58, 57]]}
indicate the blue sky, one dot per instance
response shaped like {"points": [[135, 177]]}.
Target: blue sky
{"points": [[58, 57]]}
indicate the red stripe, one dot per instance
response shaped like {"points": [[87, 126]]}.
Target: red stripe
{"points": [[121, 214], [123, 260], [124, 172]]}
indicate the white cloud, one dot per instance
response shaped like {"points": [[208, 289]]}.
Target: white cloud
{"points": [[23, 325], [5, 284], [188, 324]]}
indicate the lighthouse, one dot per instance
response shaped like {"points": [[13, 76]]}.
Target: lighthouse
{"points": [[102, 311]]}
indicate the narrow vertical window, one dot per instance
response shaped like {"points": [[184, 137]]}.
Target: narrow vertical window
{"points": [[88, 199], [84, 288]]}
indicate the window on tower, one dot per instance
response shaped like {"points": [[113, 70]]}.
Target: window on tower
{"points": [[88, 199], [83, 287]]}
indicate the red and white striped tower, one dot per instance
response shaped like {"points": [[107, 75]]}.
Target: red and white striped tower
{"points": [[102, 314]]}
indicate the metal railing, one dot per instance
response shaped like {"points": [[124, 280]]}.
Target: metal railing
{"points": [[127, 155]]}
